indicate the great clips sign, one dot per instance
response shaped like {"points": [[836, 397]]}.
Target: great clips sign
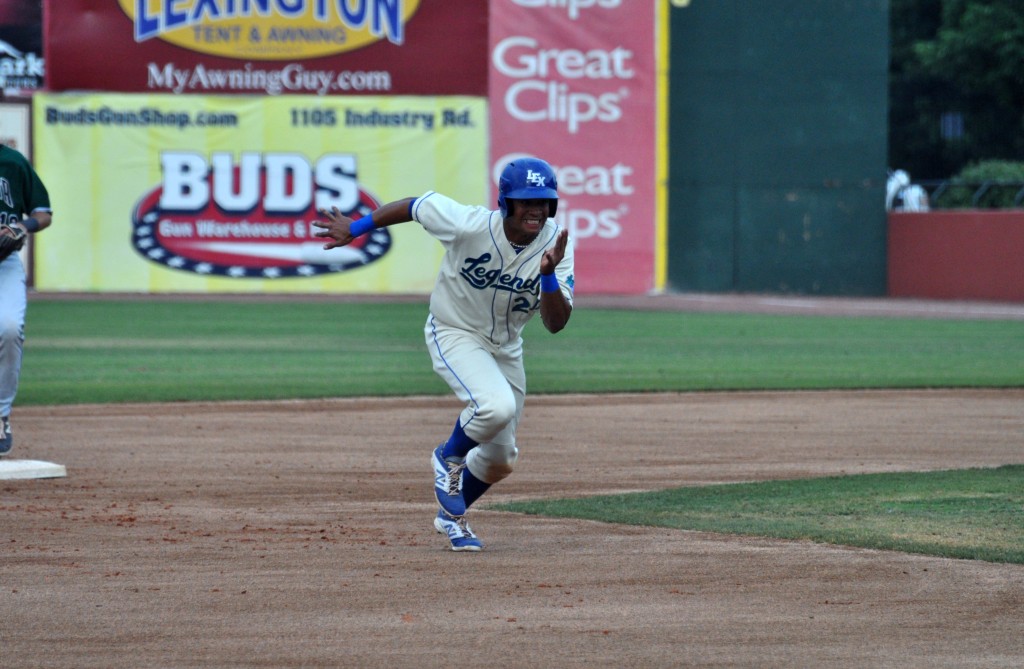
{"points": [[323, 47], [574, 82]]}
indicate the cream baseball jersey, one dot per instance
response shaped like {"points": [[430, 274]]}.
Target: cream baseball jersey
{"points": [[483, 284]]}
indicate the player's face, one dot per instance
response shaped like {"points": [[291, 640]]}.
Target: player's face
{"points": [[527, 218]]}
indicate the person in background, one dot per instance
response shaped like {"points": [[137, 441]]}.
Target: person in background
{"points": [[902, 195], [24, 209]]}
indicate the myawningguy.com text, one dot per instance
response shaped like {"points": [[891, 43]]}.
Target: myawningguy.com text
{"points": [[292, 78]]}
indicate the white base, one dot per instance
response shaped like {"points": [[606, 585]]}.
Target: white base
{"points": [[30, 469]]}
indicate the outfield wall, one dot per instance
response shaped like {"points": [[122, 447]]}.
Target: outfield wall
{"points": [[206, 136], [770, 178], [777, 140], [957, 255]]}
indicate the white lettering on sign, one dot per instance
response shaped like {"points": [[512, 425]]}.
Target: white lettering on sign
{"points": [[281, 182], [584, 223], [580, 180], [573, 7], [590, 180], [535, 98], [519, 57], [556, 102], [292, 77], [595, 180]]}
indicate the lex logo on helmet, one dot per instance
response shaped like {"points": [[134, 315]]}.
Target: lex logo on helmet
{"points": [[527, 178]]}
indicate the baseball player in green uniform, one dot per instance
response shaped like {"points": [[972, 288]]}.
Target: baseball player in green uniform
{"points": [[500, 268], [21, 193]]}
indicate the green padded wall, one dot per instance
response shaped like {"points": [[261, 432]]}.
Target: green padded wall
{"points": [[777, 146]]}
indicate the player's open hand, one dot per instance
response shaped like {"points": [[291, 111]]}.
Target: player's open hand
{"points": [[335, 228], [549, 261]]}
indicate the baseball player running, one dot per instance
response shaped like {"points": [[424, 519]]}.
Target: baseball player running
{"points": [[500, 267]]}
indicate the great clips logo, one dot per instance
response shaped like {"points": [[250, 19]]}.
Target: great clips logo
{"points": [[252, 218], [270, 29]]}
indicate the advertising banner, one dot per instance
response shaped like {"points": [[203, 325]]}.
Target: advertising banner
{"points": [[306, 47], [22, 67], [161, 193], [575, 82]]}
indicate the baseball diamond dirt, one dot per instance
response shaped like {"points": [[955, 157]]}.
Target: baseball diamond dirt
{"points": [[299, 534]]}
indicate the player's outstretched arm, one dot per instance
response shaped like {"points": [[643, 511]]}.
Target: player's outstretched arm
{"points": [[340, 230], [554, 308]]}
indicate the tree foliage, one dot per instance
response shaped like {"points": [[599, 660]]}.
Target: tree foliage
{"points": [[955, 59]]}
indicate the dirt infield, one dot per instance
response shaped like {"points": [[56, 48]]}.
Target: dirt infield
{"points": [[298, 534]]}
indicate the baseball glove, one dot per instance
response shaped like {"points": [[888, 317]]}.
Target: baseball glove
{"points": [[12, 238]]}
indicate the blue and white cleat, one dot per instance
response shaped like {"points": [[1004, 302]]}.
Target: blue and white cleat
{"points": [[458, 531], [448, 483]]}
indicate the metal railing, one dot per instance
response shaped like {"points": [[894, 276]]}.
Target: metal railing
{"points": [[960, 194]]}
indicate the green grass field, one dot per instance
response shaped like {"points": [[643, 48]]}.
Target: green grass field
{"points": [[97, 351], [105, 351]]}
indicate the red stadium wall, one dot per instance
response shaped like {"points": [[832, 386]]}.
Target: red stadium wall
{"points": [[957, 255]]}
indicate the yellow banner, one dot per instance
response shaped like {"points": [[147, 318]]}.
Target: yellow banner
{"points": [[163, 193], [301, 30]]}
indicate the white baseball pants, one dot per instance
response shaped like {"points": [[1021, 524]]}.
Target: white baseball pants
{"points": [[491, 381], [12, 328]]}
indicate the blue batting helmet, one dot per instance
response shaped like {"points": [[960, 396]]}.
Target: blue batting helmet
{"points": [[527, 179]]}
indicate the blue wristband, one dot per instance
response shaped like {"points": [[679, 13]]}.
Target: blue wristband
{"points": [[362, 226], [30, 224], [549, 283]]}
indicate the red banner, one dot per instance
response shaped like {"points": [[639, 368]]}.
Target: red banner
{"points": [[574, 82], [256, 47]]}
